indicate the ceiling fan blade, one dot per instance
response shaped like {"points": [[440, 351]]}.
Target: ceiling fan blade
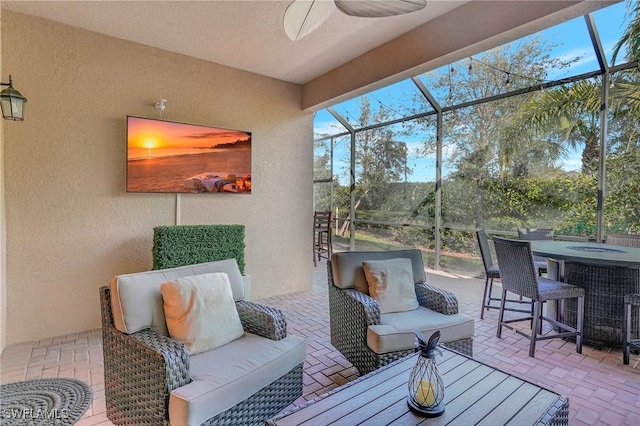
{"points": [[304, 16], [379, 8]]}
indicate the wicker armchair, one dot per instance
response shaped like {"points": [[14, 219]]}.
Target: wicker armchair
{"points": [[144, 369], [356, 322]]}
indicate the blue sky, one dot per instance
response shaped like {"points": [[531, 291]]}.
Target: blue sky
{"points": [[572, 41]]}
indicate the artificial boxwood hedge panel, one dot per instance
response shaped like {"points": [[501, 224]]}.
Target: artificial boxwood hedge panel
{"points": [[181, 245]]}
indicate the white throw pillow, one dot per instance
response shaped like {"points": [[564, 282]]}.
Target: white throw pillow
{"points": [[391, 284], [200, 311]]}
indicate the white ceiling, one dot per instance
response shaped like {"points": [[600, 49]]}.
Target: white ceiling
{"points": [[244, 34]]}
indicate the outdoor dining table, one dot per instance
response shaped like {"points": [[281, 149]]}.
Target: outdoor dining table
{"points": [[607, 273]]}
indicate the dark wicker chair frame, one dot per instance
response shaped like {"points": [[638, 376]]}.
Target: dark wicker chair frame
{"points": [[491, 272], [141, 370], [630, 301], [626, 240], [518, 275], [352, 312], [537, 234]]}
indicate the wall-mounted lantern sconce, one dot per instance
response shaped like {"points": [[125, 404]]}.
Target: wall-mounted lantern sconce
{"points": [[12, 102]]}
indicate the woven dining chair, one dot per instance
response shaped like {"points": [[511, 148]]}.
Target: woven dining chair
{"points": [[518, 275], [491, 272], [537, 234], [630, 301], [626, 240]]}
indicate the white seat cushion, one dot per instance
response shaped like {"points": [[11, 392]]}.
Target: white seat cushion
{"points": [[395, 331], [230, 374]]}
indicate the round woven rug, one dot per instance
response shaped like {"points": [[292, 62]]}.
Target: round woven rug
{"points": [[43, 402]]}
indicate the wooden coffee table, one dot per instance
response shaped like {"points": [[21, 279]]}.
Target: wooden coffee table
{"points": [[475, 394]]}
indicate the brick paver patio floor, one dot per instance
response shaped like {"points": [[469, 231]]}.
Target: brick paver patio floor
{"points": [[601, 389]]}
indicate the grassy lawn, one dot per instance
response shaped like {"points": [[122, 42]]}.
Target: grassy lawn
{"points": [[451, 262]]}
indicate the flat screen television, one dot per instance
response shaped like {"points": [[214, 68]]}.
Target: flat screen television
{"points": [[166, 156]]}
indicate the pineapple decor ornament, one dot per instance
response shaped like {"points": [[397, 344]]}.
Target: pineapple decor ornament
{"points": [[426, 388]]}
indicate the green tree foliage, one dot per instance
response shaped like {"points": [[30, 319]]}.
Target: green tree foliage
{"points": [[503, 158], [322, 171], [622, 206], [568, 114], [631, 36], [481, 147], [379, 157]]}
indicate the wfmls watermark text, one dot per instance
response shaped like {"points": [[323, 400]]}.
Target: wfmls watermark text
{"points": [[35, 414]]}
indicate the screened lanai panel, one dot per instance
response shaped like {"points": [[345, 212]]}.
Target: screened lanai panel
{"points": [[322, 196], [567, 49], [497, 71], [395, 185], [622, 190], [325, 124], [341, 164], [322, 159], [395, 173], [525, 161], [330, 173], [611, 24], [386, 104], [382, 238], [528, 160], [558, 52], [322, 174], [564, 197], [340, 179]]}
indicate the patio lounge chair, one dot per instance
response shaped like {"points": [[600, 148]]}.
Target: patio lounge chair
{"points": [[369, 338], [153, 379]]}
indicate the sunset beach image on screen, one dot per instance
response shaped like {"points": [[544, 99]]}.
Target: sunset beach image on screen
{"points": [[167, 156]]}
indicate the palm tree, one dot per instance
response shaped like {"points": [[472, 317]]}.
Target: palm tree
{"points": [[627, 86], [568, 114], [631, 35], [571, 113]]}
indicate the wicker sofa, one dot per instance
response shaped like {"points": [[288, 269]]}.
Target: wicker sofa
{"points": [[369, 339], [151, 379]]}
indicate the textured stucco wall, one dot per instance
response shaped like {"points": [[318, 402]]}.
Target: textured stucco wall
{"points": [[71, 225]]}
